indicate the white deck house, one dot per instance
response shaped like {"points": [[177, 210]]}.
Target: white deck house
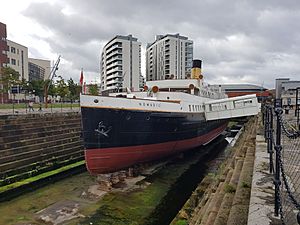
{"points": [[232, 107]]}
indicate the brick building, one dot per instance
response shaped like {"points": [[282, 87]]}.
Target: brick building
{"points": [[3, 57]]}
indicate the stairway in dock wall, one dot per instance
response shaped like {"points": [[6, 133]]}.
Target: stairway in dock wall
{"points": [[36, 143]]}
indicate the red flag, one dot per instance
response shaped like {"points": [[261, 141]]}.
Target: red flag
{"points": [[81, 78]]}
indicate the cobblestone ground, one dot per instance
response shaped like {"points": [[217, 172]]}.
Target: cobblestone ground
{"points": [[291, 165]]}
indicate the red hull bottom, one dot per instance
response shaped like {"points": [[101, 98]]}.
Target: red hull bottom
{"points": [[112, 159]]}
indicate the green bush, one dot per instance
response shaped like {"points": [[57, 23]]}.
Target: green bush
{"points": [[229, 188], [245, 185], [182, 222]]}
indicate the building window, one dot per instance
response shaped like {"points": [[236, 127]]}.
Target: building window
{"points": [[13, 49], [13, 61]]}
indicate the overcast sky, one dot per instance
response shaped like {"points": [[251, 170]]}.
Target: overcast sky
{"points": [[239, 41]]}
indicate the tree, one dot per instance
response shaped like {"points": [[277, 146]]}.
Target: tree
{"points": [[61, 87], [8, 78], [37, 87], [93, 89], [52, 89], [74, 89], [49, 90], [24, 84]]}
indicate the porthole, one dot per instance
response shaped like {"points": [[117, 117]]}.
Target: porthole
{"points": [[96, 100], [128, 117], [148, 118]]}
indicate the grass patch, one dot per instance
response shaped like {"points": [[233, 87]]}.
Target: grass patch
{"points": [[229, 188], [181, 222], [22, 210], [40, 176], [245, 185], [232, 123]]}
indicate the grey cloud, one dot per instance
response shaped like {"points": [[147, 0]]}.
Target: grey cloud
{"points": [[238, 40]]}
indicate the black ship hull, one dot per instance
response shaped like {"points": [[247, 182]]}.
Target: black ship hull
{"points": [[118, 138]]}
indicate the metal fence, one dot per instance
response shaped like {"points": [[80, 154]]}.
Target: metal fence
{"points": [[282, 135]]}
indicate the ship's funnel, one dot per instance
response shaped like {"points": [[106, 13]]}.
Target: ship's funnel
{"points": [[196, 70]]}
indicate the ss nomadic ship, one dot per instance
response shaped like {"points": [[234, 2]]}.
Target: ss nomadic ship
{"points": [[168, 117]]}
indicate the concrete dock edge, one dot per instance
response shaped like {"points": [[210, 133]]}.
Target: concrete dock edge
{"points": [[261, 208]]}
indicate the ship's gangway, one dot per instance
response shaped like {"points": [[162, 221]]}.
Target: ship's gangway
{"points": [[240, 106]]}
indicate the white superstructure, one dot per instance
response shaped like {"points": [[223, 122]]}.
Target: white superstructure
{"points": [[181, 96], [169, 57], [120, 65]]}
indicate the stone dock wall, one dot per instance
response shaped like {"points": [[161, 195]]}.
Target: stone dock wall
{"points": [[36, 143], [223, 197]]}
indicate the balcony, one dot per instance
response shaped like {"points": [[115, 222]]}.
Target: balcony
{"points": [[111, 65], [114, 75], [114, 46], [115, 69], [113, 53], [114, 81], [113, 58]]}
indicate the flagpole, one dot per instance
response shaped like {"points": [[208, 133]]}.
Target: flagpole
{"points": [[81, 80]]}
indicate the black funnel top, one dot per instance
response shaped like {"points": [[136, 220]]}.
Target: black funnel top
{"points": [[197, 63]]}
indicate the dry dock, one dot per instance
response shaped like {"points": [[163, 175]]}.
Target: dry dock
{"points": [[240, 191]]}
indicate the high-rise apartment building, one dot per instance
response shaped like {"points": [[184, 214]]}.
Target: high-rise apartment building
{"points": [[120, 64], [18, 58], [169, 57]]}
